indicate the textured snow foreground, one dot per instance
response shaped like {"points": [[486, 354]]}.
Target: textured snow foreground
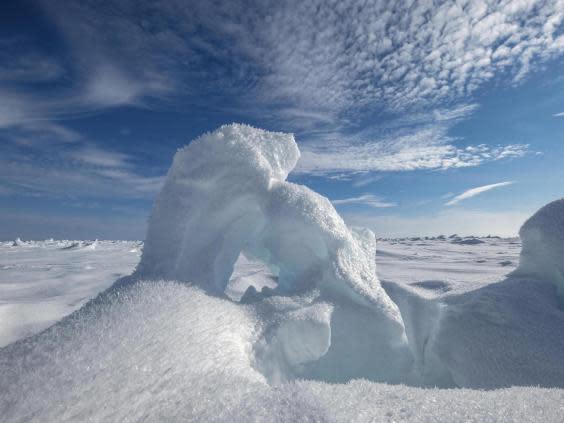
{"points": [[170, 342]]}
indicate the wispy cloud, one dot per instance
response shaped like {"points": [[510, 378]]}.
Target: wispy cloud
{"points": [[422, 147], [312, 67], [98, 157], [26, 64], [366, 180], [47, 159], [369, 200], [558, 114], [476, 191]]}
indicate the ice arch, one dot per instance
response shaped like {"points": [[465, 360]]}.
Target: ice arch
{"points": [[226, 192]]}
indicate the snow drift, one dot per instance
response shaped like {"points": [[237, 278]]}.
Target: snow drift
{"points": [[164, 351]]}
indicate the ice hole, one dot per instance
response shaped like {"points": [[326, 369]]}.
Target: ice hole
{"points": [[250, 272]]}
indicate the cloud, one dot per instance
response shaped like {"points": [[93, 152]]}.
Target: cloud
{"points": [[44, 159], [109, 86], [365, 200], [99, 157], [476, 191], [398, 54], [312, 59], [325, 69], [57, 178], [558, 114], [366, 180], [427, 147], [22, 63], [415, 141]]}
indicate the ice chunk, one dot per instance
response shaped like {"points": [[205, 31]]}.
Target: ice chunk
{"points": [[302, 336], [542, 254], [18, 242]]}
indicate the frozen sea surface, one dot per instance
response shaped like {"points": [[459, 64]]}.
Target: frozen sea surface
{"points": [[43, 281], [438, 266], [135, 363]]}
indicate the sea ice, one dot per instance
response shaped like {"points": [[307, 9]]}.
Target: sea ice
{"points": [[542, 254]]}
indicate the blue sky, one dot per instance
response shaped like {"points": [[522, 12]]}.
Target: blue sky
{"points": [[415, 118]]}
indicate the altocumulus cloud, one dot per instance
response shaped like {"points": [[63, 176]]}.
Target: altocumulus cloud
{"points": [[322, 57], [318, 67]]}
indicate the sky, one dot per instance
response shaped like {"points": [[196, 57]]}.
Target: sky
{"points": [[413, 118]]}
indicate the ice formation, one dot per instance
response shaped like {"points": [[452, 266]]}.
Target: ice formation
{"points": [[542, 254], [18, 242], [226, 193]]}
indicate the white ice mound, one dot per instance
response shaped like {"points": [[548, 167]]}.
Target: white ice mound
{"points": [[542, 254], [226, 192]]}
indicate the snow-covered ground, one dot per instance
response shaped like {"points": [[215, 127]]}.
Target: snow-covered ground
{"points": [[40, 276], [43, 281], [438, 265], [251, 300]]}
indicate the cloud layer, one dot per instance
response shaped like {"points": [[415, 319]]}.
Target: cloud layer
{"points": [[421, 141], [371, 86], [319, 59], [44, 159]]}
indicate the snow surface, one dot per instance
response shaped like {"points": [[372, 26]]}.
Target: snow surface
{"points": [[40, 282], [169, 351], [276, 313], [543, 246]]}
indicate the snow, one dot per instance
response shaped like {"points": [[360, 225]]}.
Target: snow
{"points": [[132, 355], [163, 350], [542, 256], [253, 301], [40, 282]]}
